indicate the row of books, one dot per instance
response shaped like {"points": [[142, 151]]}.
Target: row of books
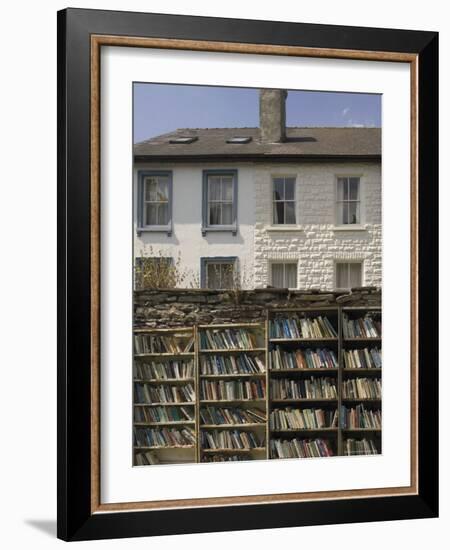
{"points": [[163, 414], [360, 417], [231, 415], [144, 393], [300, 448], [364, 327], [231, 364], [164, 371], [304, 419], [147, 458], [217, 457], [362, 388], [312, 388], [230, 439], [360, 447], [155, 343], [303, 359], [362, 358], [163, 437], [295, 326], [213, 390], [230, 338]]}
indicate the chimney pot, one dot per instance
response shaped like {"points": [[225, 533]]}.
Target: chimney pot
{"points": [[272, 115]]}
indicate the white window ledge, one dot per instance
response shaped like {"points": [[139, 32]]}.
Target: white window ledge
{"points": [[350, 227], [155, 229], [284, 228]]}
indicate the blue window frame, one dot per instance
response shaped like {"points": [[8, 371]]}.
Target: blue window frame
{"points": [[154, 202], [220, 201], [218, 272]]}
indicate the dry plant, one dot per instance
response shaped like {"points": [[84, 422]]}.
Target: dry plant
{"points": [[154, 270]]}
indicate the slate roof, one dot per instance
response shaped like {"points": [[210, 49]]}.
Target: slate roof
{"points": [[300, 142]]}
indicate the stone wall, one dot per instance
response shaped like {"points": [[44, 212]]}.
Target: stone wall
{"points": [[317, 243], [180, 307]]}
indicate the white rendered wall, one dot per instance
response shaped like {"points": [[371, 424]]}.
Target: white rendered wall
{"points": [[316, 243], [187, 239]]}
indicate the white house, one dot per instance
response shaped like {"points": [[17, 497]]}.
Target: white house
{"points": [[283, 207]]}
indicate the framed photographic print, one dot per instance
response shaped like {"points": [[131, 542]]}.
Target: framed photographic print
{"points": [[247, 274]]}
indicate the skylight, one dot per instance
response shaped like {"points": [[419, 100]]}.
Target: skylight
{"points": [[239, 139], [183, 139]]}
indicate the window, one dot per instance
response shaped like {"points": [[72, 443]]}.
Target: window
{"points": [[284, 275], [218, 273], [348, 201], [155, 201], [183, 140], [348, 274], [283, 200], [219, 200], [155, 272]]}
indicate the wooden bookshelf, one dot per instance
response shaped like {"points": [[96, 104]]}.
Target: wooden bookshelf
{"points": [[236, 344], [176, 352], [228, 365]]}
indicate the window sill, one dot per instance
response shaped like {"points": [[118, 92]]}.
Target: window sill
{"points": [[350, 227], [284, 228], [155, 229], [220, 229]]}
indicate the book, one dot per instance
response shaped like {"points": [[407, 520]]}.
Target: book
{"points": [[146, 393], [164, 414], [231, 364], [298, 327], [360, 417], [291, 419], [213, 390], [231, 415], [312, 388], [159, 370], [163, 437], [361, 388], [368, 326], [359, 447], [156, 343], [281, 359], [300, 448], [230, 439], [362, 358], [230, 338]]}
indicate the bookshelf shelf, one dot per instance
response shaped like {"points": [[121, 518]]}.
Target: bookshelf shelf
{"points": [[232, 350], [224, 401], [165, 404], [308, 371], [301, 360], [247, 450], [304, 430], [164, 380], [231, 426], [168, 423], [232, 376]]}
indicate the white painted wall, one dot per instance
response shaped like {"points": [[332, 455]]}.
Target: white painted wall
{"points": [[316, 243], [187, 239]]}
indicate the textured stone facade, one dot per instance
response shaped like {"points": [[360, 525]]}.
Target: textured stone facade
{"points": [[179, 307], [317, 242]]}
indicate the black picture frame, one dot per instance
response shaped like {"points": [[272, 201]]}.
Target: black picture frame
{"points": [[75, 519]]}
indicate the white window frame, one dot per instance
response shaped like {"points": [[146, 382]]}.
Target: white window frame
{"points": [[283, 262], [273, 201], [338, 222], [344, 261]]}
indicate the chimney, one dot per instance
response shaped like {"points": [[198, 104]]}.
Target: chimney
{"points": [[272, 115]]}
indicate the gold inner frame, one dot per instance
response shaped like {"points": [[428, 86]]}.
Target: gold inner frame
{"points": [[97, 41]]}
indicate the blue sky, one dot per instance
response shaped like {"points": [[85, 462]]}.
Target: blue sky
{"points": [[161, 108]]}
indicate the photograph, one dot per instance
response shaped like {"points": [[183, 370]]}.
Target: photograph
{"points": [[257, 274]]}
